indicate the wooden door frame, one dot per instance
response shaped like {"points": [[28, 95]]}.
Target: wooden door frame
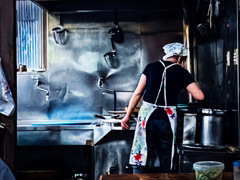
{"points": [[8, 54]]}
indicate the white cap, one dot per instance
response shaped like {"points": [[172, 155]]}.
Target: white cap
{"points": [[174, 49]]}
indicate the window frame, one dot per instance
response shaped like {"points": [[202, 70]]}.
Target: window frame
{"points": [[43, 47]]}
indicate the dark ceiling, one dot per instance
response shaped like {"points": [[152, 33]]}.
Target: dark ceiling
{"points": [[74, 6]]}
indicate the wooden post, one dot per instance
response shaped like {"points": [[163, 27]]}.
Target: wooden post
{"points": [[8, 55]]}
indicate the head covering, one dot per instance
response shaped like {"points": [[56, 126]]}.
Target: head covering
{"points": [[174, 49]]}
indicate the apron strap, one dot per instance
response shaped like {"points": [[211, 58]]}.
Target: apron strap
{"points": [[163, 81], [160, 106], [163, 74]]}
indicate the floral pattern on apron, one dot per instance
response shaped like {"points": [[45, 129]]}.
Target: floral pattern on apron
{"points": [[138, 155]]}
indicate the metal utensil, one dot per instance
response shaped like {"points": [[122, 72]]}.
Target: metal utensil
{"points": [[110, 59], [116, 33], [60, 34]]}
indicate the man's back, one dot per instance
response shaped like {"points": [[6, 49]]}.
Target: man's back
{"points": [[177, 78]]}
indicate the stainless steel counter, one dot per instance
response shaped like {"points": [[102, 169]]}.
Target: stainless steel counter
{"points": [[91, 145], [69, 132]]}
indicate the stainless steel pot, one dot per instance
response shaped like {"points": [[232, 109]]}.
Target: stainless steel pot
{"points": [[60, 34], [116, 33], [212, 126], [110, 59]]}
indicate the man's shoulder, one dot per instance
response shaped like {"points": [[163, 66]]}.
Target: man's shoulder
{"points": [[152, 64]]}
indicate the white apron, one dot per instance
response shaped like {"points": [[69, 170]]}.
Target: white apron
{"points": [[139, 152]]}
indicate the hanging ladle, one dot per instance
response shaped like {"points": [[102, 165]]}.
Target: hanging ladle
{"points": [[116, 35], [60, 34], [110, 57]]}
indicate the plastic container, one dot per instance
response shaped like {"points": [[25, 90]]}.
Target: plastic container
{"points": [[208, 170], [236, 170]]}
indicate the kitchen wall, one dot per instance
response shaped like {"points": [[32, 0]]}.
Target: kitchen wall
{"points": [[217, 56], [217, 64], [74, 68]]}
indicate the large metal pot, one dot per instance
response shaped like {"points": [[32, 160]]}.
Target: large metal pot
{"points": [[212, 126]]}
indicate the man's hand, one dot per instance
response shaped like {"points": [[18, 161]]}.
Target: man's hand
{"points": [[124, 122]]}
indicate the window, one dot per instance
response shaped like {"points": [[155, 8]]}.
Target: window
{"points": [[30, 35]]}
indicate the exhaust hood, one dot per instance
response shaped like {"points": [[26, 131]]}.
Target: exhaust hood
{"points": [[75, 6]]}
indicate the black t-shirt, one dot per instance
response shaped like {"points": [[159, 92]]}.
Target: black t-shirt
{"points": [[177, 78]]}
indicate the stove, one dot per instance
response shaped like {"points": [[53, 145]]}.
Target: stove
{"points": [[189, 154]]}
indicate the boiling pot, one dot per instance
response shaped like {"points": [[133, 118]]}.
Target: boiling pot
{"points": [[211, 126]]}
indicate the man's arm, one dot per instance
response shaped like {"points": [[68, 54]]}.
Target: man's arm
{"points": [[134, 100], [195, 91]]}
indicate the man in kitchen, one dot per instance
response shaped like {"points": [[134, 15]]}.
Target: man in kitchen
{"points": [[160, 85]]}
